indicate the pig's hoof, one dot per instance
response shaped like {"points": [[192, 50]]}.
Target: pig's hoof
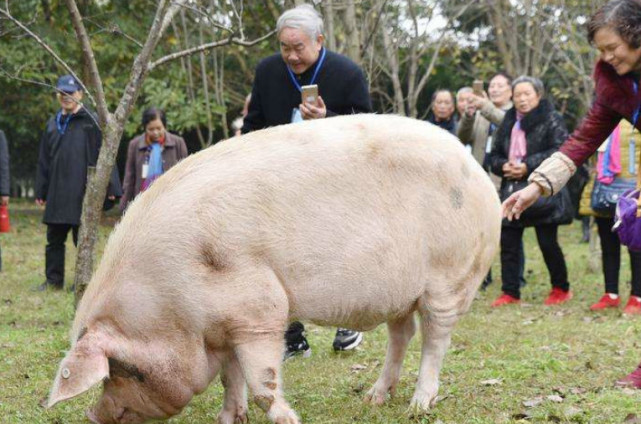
{"points": [[421, 404], [233, 417], [282, 415], [376, 396]]}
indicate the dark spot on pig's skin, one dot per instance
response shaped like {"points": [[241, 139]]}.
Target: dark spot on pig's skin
{"points": [[456, 198], [122, 369], [83, 331], [270, 374], [269, 378], [212, 259], [264, 402]]}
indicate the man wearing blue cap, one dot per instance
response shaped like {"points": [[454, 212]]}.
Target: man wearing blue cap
{"points": [[69, 145]]}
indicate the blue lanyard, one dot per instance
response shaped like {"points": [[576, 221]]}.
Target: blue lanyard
{"points": [[62, 125], [635, 116], [318, 66]]}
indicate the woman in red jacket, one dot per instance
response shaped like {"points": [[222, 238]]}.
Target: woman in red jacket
{"points": [[615, 29]]}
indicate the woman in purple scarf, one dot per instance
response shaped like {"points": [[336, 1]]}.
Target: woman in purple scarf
{"points": [[530, 133]]}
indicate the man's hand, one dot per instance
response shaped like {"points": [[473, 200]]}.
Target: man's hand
{"points": [[476, 102], [4, 200], [310, 111], [514, 205], [40, 202]]}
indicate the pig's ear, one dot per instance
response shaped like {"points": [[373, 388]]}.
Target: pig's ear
{"points": [[82, 368]]}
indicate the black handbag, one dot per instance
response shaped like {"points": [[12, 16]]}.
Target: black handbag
{"points": [[604, 197], [544, 206]]}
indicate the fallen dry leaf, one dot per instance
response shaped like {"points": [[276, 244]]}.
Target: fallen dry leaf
{"points": [[491, 382], [555, 398], [358, 367], [631, 419], [531, 403]]}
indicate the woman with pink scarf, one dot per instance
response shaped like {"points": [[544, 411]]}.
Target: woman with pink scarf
{"points": [[530, 133]]}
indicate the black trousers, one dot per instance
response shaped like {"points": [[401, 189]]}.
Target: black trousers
{"points": [[55, 252], [611, 257], [511, 257]]}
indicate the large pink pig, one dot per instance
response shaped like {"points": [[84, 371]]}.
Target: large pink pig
{"points": [[350, 221]]}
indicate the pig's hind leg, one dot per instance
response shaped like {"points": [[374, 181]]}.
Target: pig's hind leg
{"points": [[235, 404], [436, 331], [400, 333]]}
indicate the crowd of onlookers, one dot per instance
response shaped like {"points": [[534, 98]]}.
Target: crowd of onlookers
{"points": [[510, 127]]}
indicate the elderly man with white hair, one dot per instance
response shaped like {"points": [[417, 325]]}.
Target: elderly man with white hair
{"points": [[276, 100]]}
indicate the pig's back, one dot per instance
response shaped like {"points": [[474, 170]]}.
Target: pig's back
{"points": [[357, 214]]}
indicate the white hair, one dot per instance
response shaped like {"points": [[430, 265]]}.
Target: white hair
{"points": [[303, 17]]}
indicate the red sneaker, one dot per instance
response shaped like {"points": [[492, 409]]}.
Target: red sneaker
{"points": [[632, 380], [633, 307], [558, 296], [607, 301], [505, 299]]}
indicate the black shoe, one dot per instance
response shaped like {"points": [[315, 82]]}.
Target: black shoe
{"points": [[485, 284], [47, 286], [347, 339], [298, 347]]}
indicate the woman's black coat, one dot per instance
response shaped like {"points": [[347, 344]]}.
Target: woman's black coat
{"points": [[545, 131]]}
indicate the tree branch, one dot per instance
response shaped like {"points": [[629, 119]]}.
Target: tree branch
{"points": [[208, 46], [96, 82], [7, 14]]}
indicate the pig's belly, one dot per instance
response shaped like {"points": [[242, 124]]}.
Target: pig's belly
{"points": [[358, 305]]}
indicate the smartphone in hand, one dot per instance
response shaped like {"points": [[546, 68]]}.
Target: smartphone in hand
{"points": [[477, 88], [309, 94]]}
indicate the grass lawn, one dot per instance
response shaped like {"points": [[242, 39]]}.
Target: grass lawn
{"points": [[561, 361]]}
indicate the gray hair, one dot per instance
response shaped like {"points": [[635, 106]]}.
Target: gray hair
{"points": [[303, 17], [536, 83], [463, 90]]}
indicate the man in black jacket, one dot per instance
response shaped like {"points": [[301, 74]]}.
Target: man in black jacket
{"points": [[276, 93], [276, 100], [69, 145], [4, 176]]}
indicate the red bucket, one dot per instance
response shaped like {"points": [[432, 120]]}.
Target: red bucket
{"points": [[5, 226]]}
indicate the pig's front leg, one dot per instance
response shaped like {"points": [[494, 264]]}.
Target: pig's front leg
{"points": [[235, 404], [260, 361]]}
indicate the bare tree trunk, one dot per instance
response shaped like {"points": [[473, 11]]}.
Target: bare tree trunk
{"points": [[203, 76], [191, 91], [328, 12], [390, 51], [351, 29]]}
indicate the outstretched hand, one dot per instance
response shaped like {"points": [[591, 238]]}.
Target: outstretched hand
{"points": [[513, 206]]}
